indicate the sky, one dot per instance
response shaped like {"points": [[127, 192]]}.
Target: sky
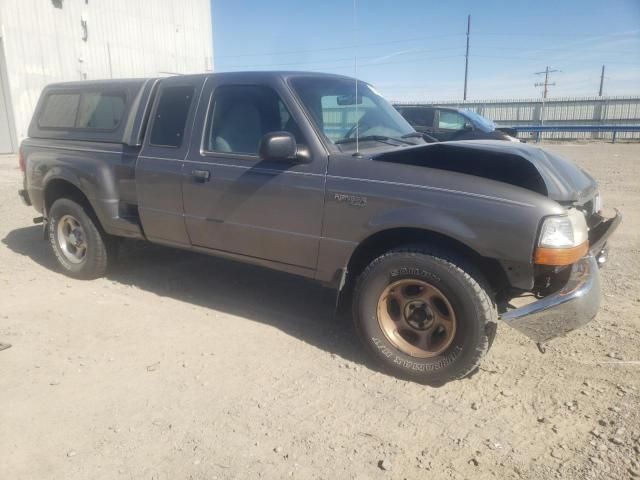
{"points": [[414, 50]]}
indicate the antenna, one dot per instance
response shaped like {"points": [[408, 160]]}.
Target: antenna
{"points": [[466, 57], [355, 70]]}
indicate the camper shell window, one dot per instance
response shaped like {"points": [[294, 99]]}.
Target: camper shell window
{"points": [[83, 111], [111, 111]]}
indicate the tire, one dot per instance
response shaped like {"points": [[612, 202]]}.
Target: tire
{"points": [[424, 315], [69, 220]]}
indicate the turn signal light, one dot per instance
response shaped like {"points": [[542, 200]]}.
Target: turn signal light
{"points": [[560, 256]]}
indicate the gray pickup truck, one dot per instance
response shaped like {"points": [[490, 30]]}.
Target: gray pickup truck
{"points": [[317, 175]]}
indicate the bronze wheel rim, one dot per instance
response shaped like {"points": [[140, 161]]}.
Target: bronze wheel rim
{"points": [[416, 318]]}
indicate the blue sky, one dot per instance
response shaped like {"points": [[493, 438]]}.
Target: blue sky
{"points": [[411, 49]]}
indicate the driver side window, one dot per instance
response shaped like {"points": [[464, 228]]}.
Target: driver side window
{"points": [[242, 114], [448, 120]]}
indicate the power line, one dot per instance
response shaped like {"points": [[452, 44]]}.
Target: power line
{"points": [[571, 60], [500, 57], [349, 67], [374, 64], [324, 66], [552, 49], [330, 64], [345, 47], [424, 37], [349, 60], [573, 35]]}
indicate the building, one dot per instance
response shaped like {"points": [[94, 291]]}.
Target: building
{"points": [[45, 41]]}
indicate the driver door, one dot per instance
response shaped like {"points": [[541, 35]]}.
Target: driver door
{"points": [[235, 201], [450, 125], [421, 119]]}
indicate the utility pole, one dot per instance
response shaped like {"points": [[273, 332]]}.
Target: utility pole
{"points": [[601, 81], [546, 83], [546, 86], [466, 58]]}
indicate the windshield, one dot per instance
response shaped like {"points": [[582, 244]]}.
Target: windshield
{"points": [[333, 105], [479, 121]]}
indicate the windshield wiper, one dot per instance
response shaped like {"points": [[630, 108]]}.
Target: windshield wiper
{"points": [[377, 138], [424, 136]]}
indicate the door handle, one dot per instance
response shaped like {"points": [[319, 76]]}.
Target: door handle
{"points": [[201, 175]]}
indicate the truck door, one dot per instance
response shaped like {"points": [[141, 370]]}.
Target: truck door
{"points": [[159, 166], [239, 203], [451, 125], [420, 118]]}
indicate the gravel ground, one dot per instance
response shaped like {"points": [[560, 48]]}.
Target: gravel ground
{"points": [[181, 366]]}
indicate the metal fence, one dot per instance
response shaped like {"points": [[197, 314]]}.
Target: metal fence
{"points": [[596, 111]]}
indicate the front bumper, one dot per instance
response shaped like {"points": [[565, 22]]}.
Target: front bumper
{"points": [[576, 303]]}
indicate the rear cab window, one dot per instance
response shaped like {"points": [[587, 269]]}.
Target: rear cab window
{"points": [[105, 111], [171, 116], [100, 111]]}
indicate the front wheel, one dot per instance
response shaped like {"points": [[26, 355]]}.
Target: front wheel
{"points": [[424, 315], [83, 250]]}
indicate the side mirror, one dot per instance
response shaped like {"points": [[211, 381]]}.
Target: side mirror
{"points": [[278, 146]]}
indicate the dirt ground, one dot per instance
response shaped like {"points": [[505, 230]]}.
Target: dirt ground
{"points": [[182, 366]]}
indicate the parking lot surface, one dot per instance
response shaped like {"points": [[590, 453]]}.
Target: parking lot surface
{"points": [[183, 366]]}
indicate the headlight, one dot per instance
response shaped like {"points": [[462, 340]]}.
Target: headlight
{"points": [[564, 232], [563, 239]]}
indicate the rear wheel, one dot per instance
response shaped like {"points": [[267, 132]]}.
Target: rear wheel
{"points": [[83, 250], [424, 314]]}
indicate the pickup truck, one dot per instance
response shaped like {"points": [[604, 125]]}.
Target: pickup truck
{"points": [[447, 123], [319, 176]]}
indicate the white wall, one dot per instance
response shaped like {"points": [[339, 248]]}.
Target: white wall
{"points": [[126, 38], [7, 133]]}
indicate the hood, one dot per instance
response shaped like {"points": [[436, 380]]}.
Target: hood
{"points": [[515, 163]]}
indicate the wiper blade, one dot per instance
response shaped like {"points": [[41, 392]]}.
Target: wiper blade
{"points": [[377, 138], [424, 136]]}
